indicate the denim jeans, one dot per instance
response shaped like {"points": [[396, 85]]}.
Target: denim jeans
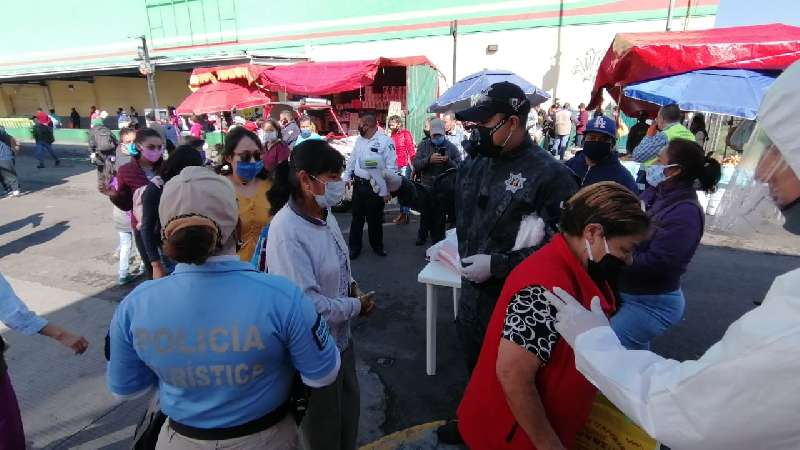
{"points": [[406, 173], [42, 149], [125, 241], [559, 145], [640, 318]]}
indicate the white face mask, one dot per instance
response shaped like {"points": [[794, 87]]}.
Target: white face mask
{"points": [[271, 136], [334, 193]]}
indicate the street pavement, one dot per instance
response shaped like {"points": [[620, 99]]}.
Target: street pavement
{"points": [[56, 248]]}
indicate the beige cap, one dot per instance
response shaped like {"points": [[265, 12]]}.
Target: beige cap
{"points": [[198, 192]]}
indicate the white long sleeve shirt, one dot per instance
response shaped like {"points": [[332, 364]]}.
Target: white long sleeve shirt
{"points": [[313, 255], [371, 158], [743, 393]]}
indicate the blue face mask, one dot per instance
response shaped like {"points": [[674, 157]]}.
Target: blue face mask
{"points": [[437, 140], [305, 133], [133, 150], [248, 170], [656, 174]]}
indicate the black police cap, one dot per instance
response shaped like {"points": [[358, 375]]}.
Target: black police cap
{"points": [[503, 97]]}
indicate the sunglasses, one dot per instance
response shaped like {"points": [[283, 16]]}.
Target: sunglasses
{"points": [[153, 147], [249, 156]]}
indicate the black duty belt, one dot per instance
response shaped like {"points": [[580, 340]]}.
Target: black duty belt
{"points": [[220, 434], [359, 180]]}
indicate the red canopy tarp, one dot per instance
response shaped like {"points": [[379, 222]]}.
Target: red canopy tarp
{"points": [[223, 96], [636, 57], [325, 78]]}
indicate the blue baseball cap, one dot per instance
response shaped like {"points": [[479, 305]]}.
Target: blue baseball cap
{"points": [[603, 125]]}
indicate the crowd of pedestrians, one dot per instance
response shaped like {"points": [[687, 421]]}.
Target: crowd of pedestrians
{"points": [[549, 250]]}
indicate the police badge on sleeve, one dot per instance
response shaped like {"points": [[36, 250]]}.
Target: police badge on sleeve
{"points": [[321, 332], [515, 182]]}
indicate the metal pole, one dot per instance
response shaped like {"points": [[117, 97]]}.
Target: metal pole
{"points": [[669, 14], [454, 32], [150, 74]]}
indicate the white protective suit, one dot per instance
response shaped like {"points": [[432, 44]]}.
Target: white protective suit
{"points": [[744, 392]]}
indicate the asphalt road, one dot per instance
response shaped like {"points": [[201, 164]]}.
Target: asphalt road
{"points": [[57, 244]]}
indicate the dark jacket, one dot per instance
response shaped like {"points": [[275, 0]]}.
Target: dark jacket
{"points": [[493, 195], [43, 133], [129, 178], [422, 160], [678, 222], [609, 169], [151, 223]]}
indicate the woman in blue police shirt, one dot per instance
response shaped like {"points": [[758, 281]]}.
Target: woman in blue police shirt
{"points": [[219, 340]]}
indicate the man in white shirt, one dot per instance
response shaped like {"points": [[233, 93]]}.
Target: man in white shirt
{"points": [[373, 156]]}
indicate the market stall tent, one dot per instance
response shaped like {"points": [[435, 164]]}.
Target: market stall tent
{"points": [[327, 78], [634, 57]]}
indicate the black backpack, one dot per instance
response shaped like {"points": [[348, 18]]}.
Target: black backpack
{"points": [[104, 140]]}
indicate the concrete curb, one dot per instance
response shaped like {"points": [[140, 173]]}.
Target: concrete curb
{"points": [[407, 436]]}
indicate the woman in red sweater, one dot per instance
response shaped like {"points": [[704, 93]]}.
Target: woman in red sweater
{"points": [[404, 146], [147, 153], [525, 392]]}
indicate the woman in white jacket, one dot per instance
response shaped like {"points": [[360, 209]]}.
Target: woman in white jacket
{"points": [[306, 246], [743, 393]]}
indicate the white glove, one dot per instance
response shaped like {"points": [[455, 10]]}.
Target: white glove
{"points": [[93, 158], [573, 319], [477, 268]]}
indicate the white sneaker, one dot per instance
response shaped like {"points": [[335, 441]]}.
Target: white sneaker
{"points": [[14, 193]]}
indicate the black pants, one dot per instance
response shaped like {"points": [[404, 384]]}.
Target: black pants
{"points": [[474, 311], [367, 206], [148, 269], [8, 175], [432, 219]]}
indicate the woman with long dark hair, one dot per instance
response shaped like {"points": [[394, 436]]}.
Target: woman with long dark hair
{"points": [[147, 157], [184, 156], [650, 289], [306, 245], [242, 165]]}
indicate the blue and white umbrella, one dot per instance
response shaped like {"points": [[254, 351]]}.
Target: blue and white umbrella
{"points": [[735, 92], [458, 96]]}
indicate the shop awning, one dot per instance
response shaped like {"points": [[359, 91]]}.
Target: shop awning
{"points": [[325, 78], [242, 72], [635, 57], [223, 96]]}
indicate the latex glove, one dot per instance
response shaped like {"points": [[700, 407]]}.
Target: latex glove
{"points": [[573, 319], [477, 268]]}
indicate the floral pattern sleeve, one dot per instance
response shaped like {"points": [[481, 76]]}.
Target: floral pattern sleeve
{"points": [[530, 322]]}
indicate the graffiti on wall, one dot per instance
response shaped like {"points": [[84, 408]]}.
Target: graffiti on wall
{"points": [[586, 66]]}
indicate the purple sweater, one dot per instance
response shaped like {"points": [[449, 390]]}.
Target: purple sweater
{"points": [[678, 223]]}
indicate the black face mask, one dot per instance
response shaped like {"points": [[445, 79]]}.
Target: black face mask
{"points": [[606, 270], [363, 131], [481, 140], [596, 150], [427, 133]]}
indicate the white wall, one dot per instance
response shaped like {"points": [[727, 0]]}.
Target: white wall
{"points": [[530, 53]]}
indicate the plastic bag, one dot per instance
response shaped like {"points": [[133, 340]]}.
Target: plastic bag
{"points": [[530, 234], [446, 250]]}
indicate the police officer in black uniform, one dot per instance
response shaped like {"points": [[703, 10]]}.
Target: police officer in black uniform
{"points": [[510, 178], [506, 178]]}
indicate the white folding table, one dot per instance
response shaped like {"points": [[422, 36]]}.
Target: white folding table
{"points": [[435, 274]]}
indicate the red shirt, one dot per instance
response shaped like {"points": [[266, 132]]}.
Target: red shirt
{"points": [[485, 419], [272, 156], [404, 146]]}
